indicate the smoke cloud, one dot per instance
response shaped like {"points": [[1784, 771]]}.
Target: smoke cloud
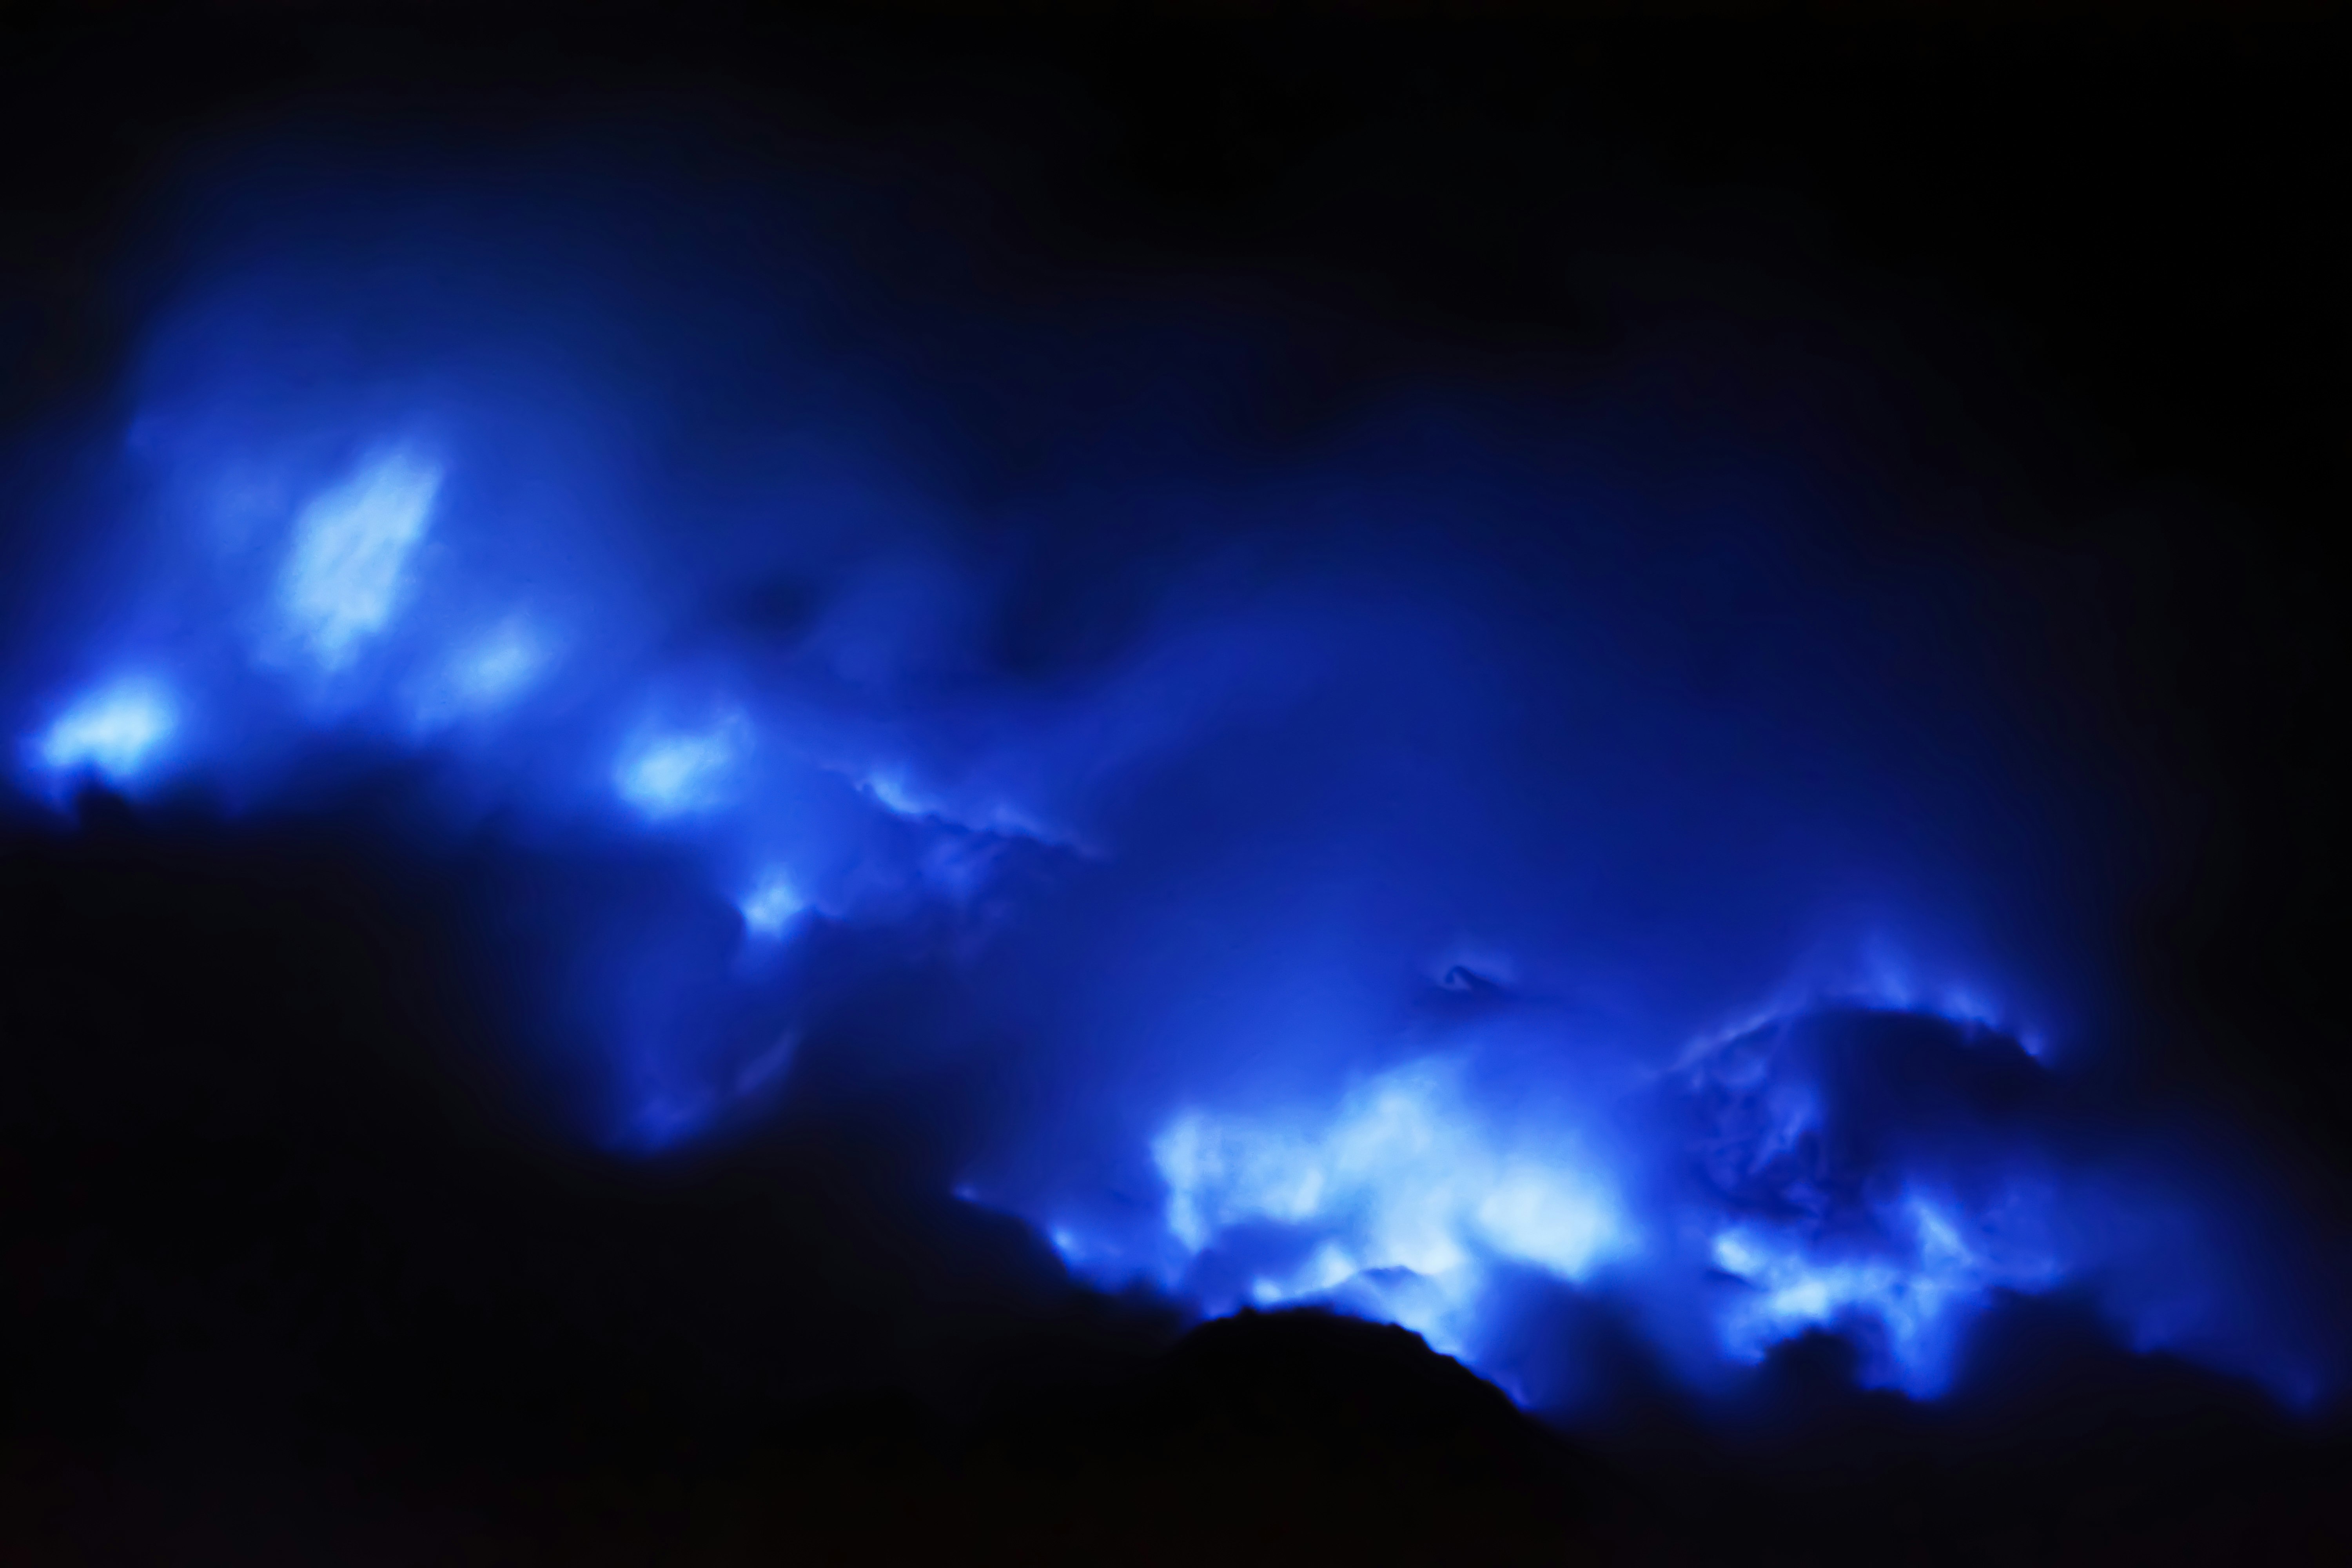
{"points": [[1385, 847]]}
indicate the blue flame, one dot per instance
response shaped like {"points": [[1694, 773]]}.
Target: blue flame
{"points": [[1405, 1178], [347, 565], [771, 907], [1913, 1297], [1367, 878], [487, 674], [117, 733], [673, 773]]}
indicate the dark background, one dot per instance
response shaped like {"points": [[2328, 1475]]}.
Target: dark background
{"points": [[271, 1299]]}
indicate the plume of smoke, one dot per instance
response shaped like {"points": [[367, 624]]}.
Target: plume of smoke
{"points": [[1513, 833]]}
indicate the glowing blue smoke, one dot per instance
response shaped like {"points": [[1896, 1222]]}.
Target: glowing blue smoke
{"points": [[116, 733], [1365, 860], [1914, 1296], [674, 772], [347, 566], [1405, 1179], [486, 675], [770, 909]]}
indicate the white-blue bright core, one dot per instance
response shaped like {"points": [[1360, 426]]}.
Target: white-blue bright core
{"points": [[115, 732], [348, 572]]}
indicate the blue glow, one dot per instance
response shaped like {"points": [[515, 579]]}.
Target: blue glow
{"points": [[492, 671], [1399, 1202], [770, 909], [1403, 1175], [116, 733], [1649, 901], [683, 772], [1911, 1300], [347, 569], [895, 798]]}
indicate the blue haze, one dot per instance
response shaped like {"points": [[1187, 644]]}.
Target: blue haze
{"points": [[1497, 827]]}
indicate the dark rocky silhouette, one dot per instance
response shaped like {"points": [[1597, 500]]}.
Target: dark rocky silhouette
{"points": [[296, 1274]]}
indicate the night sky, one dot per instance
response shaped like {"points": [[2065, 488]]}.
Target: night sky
{"points": [[1253, 783]]}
